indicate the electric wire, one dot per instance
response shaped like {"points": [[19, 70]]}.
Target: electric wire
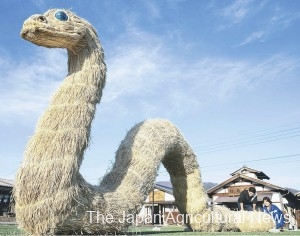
{"points": [[244, 140], [253, 134], [238, 143], [246, 161]]}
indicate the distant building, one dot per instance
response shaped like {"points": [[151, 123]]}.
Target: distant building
{"points": [[227, 192], [6, 187], [161, 202], [160, 208]]}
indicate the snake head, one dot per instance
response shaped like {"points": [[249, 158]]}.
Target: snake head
{"points": [[56, 29]]}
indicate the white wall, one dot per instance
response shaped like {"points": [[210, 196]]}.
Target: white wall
{"points": [[169, 197]]}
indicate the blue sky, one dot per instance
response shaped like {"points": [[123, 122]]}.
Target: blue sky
{"points": [[225, 72]]}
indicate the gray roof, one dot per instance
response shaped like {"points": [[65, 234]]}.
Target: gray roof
{"points": [[293, 191], [244, 169], [6, 183], [242, 177], [166, 186]]}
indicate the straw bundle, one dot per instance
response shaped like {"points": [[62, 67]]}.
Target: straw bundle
{"points": [[249, 221], [51, 195]]}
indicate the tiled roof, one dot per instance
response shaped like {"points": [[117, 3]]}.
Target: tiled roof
{"points": [[244, 169], [6, 183], [164, 186], [293, 191], [237, 177], [167, 186]]}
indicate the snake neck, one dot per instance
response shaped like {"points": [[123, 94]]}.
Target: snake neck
{"points": [[55, 151]]}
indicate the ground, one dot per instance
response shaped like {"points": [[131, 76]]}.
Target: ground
{"points": [[150, 230]]}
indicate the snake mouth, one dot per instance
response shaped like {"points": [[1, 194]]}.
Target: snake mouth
{"points": [[38, 36], [29, 34], [33, 32], [41, 36]]}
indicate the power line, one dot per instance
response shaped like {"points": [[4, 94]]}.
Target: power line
{"points": [[243, 162], [251, 138], [221, 147], [245, 145], [230, 139], [99, 164], [255, 160], [10, 173], [228, 168]]}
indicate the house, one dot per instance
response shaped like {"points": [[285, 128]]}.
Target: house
{"points": [[227, 193], [160, 208], [6, 187]]}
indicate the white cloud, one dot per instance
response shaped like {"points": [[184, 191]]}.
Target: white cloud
{"points": [[278, 21], [282, 19], [237, 11], [27, 86], [157, 80], [255, 36], [145, 75], [153, 9]]}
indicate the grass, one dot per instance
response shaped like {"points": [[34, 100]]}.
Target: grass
{"points": [[180, 230], [10, 230], [148, 230]]}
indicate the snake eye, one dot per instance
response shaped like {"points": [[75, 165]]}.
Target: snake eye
{"points": [[61, 15]]}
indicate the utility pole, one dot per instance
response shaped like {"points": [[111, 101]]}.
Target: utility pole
{"points": [[153, 207]]}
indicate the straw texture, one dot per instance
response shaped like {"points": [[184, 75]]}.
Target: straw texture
{"points": [[52, 197]]}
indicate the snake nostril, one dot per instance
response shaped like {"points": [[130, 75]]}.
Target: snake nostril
{"points": [[41, 19]]}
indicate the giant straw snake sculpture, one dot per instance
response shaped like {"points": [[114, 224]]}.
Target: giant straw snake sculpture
{"points": [[51, 195]]}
